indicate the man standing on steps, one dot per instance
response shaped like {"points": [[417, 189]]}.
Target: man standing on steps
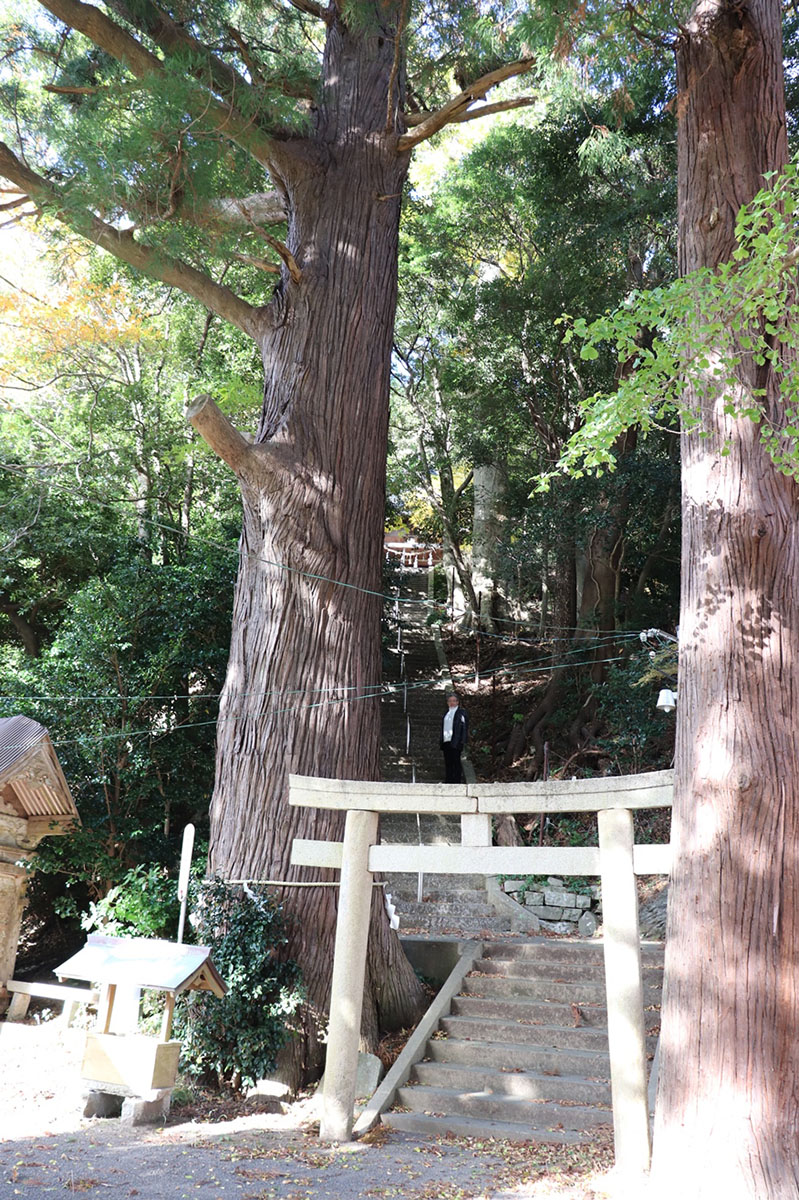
{"points": [[454, 731]]}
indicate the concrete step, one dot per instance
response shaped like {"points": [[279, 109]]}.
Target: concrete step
{"points": [[519, 1010], [501, 986], [437, 828], [527, 1085], [586, 1064], [438, 889], [565, 949], [510, 1110], [464, 920], [559, 970], [526, 1031], [469, 902], [478, 1127]]}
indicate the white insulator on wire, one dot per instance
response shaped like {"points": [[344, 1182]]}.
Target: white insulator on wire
{"points": [[393, 919]]}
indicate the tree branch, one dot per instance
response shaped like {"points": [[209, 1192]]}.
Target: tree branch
{"points": [[70, 91], [18, 203], [261, 264], [122, 245], [261, 208], [117, 42], [416, 119], [299, 89], [174, 39], [454, 109], [459, 491], [219, 432], [282, 249], [312, 8]]}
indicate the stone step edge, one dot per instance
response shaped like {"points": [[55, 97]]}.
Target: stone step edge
{"points": [[416, 1045], [512, 1047], [568, 947], [651, 994], [490, 1073], [471, 1127], [440, 1097], [543, 1027]]}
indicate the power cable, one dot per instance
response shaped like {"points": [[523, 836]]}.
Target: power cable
{"points": [[517, 669], [109, 504], [376, 688], [214, 545]]}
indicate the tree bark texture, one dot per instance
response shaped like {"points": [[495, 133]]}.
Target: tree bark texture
{"points": [[490, 485], [305, 658], [727, 1119]]}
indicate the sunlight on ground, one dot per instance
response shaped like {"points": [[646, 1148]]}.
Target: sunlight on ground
{"points": [[42, 1087]]}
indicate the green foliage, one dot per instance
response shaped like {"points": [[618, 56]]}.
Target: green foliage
{"points": [[120, 554], [143, 904], [661, 667], [235, 1041], [701, 336], [544, 214], [638, 737], [128, 690]]}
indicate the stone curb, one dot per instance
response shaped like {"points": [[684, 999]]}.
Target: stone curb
{"points": [[415, 1046]]}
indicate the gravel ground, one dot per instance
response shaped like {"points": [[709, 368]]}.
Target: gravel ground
{"points": [[228, 1151]]}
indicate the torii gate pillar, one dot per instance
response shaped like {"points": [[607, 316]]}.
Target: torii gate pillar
{"points": [[349, 972]]}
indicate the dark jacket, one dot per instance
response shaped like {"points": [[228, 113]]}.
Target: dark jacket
{"points": [[460, 730]]}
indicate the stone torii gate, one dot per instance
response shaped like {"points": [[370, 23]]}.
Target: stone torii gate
{"points": [[616, 860]]}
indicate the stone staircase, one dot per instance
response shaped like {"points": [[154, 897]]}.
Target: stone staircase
{"points": [[424, 702], [450, 904], [523, 1054]]}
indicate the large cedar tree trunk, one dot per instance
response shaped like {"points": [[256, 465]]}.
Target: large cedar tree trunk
{"points": [[727, 1119], [488, 529], [305, 655]]}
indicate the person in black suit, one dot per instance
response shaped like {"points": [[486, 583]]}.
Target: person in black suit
{"points": [[454, 732]]}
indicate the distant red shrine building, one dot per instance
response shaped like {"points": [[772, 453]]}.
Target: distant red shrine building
{"points": [[403, 548]]}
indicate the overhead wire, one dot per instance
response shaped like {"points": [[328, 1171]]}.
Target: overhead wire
{"points": [[368, 691], [262, 714], [388, 597], [254, 555], [533, 663]]}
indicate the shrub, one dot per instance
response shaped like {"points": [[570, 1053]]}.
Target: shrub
{"points": [[235, 1041], [143, 904]]}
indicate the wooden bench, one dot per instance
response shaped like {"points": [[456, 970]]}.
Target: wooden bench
{"points": [[22, 993]]}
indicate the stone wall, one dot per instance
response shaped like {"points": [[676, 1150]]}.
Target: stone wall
{"points": [[558, 909]]}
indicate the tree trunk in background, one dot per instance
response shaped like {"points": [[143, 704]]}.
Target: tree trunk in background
{"points": [[490, 485], [727, 1119], [26, 631], [305, 654]]}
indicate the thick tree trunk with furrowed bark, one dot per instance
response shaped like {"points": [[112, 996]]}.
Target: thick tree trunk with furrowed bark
{"points": [[727, 1119], [489, 516], [305, 657], [304, 670]]}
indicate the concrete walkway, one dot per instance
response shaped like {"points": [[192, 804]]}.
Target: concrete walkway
{"points": [[48, 1150]]}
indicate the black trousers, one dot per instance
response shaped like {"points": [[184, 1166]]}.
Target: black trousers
{"points": [[453, 771]]}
